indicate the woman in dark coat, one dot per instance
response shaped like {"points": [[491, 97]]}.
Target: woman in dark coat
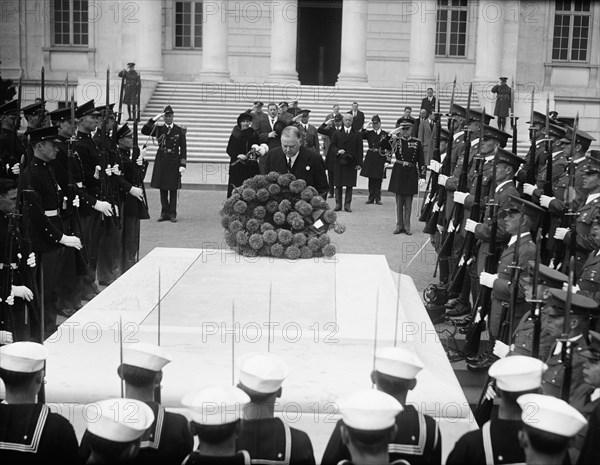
{"points": [[240, 142]]}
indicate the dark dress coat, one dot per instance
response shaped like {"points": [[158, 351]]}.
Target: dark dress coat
{"points": [[503, 100], [132, 82], [330, 155], [374, 163], [345, 175], [408, 168], [358, 121], [589, 278], [170, 156], [428, 105], [240, 142]]}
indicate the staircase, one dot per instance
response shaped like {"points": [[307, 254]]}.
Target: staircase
{"points": [[209, 111]]}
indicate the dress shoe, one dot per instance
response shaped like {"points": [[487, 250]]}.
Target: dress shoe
{"points": [[348, 209], [369, 202], [337, 208], [105, 283], [452, 302], [173, 220], [459, 310], [89, 296], [483, 364], [474, 358], [378, 202], [398, 230], [466, 321], [67, 312], [407, 232], [162, 218]]}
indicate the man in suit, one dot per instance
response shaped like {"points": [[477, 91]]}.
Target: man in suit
{"points": [[424, 134], [503, 102], [417, 124], [170, 161], [266, 127], [327, 129], [302, 162], [283, 114], [358, 117], [348, 147], [428, 103], [309, 137]]}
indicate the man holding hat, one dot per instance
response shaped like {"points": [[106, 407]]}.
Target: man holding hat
{"points": [[374, 165], [417, 437], [503, 101], [309, 137], [113, 435], [216, 412], [170, 161], [261, 434], [329, 126], [132, 82], [30, 432], [408, 173], [498, 439], [579, 338], [549, 425], [368, 424]]}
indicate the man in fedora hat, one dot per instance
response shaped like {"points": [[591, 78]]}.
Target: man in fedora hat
{"points": [[170, 161], [348, 146]]}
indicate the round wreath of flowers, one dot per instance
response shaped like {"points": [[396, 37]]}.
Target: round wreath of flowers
{"points": [[277, 215]]}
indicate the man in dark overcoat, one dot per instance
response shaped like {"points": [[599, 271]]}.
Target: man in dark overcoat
{"points": [[503, 101], [170, 161], [374, 166], [327, 129], [132, 87], [348, 147]]}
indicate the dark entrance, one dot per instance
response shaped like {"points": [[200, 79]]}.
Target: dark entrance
{"points": [[319, 41]]}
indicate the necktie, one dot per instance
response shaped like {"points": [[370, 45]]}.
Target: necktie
{"points": [[289, 164], [272, 123], [168, 129]]}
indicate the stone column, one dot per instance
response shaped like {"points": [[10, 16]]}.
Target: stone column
{"points": [[149, 40], [284, 35], [490, 30], [353, 69], [215, 55], [422, 42]]}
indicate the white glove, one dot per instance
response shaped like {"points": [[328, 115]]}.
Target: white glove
{"points": [[501, 349], [31, 260], [137, 192], [23, 292], [560, 233], [97, 172], [490, 394], [330, 121], [144, 151], [108, 170], [116, 171], [421, 182], [157, 117], [545, 200], [442, 178], [470, 224], [574, 289], [451, 227], [140, 160], [242, 157], [181, 169], [459, 197], [16, 169], [440, 228], [528, 189], [71, 241], [487, 279], [103, 207], [435, 166], [6, 337]]}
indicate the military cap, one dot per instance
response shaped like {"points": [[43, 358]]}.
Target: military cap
{"points": [[580, 304], [404, 122], [592, 162], [503, 78], [262, 372], [283, 104], [490, 132], [49, 133], [505, 156], [147, 356], [23, 357], [130, 64], [119, 420], [338, 117], [244, 117], [168, 110], [518, 373], [458, 110], [582, 137], [475, 115], [566, 120], [538, 118], [216, 405], [60, 114], [553, 114], [258, 103], [303, 112], [87, 109], [550, 414], [124, 131], [32, 109], [376, 119], [10, 108], [102, 108], [547, 276], [369, 410], [519, 205], [556, 131], [397, 362]]}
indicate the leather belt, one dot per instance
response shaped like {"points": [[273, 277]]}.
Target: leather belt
{"points": [[51, 213]]}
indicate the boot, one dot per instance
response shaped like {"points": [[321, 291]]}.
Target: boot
{"points": [[348, 200], [338, 199]]}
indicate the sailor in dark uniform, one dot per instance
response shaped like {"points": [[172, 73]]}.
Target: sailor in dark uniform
{"points": [[368, 425], [216, 413], [374, 164], [497, 441], [168, 440], [265, 437], [549, 426], [417, 438], [29, 432], [113, 435]]}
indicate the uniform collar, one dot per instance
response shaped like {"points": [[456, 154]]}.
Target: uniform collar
{"points": [[513, 239], [501, 185], [592, 197]]}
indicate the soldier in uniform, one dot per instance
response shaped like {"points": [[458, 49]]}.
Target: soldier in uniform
{"points": [[497, 441], [589, 278], [309, 136], [417, 438], [132, 87], [408, 174], [216, 413], [170, 161], [549, 425], [30, 432], [583, 309], [368, 424], [114, 434], [11, 147], [327, 129], [266, 438], [503, 101], [348, 148], [374, 164]]}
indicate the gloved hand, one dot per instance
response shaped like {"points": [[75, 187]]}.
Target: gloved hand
{"points": [[435, 166], [459, 197], [30, 259], [241, 156], [6, 337], [574, 289], [76, 201], [490, 394], [501, 349], [470, 224], [487, 279], [158, 116], [108, 170], [560, 233], [137, 192], [22, 292], [115, 170], [442, 178], [545, 200], [71, 241], [181, 169], [422, 182], [528, 189], [103, 207], [16, 169], [97, 172]]}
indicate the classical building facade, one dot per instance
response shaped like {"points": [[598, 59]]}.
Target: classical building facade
{"points": [[548, 46]]}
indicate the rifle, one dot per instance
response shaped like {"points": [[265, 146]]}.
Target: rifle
{"points": [[532, 168], [139, 171], [513, 118], [567, 346], [548, 188], [6, 313], [535, 302], [43, 97], [427, 208]]}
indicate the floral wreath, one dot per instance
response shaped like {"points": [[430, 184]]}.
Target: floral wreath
{"points": [[277, 215]]}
